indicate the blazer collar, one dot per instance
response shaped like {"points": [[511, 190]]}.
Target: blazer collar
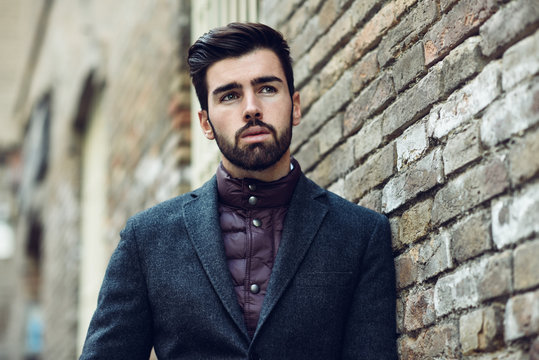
{"points": [[202, 222], [302, 222]]}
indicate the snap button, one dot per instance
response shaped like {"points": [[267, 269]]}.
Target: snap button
{"points": [[255, 289], [252, 200], [252, 187], [257, 222]]}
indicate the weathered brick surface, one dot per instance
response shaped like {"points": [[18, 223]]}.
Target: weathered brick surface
{"points": [[419, 177], [409, 66], [406, 32], [451, 86], [523, 159], [515, 217], [461, 149], [368, 138], [324, 108], [419, 310], [372, 200], [342, 28], [469, 190], [411, 145], [335, 165], [472, 284], [455, 26], [464, 104], [330, 134], [446, 4], [415, 222], [494, 277], [471, 237], [370, 100], [375, 28], [434, 256], [509, 24], [526, 265], [437, 342], [461, 63], [424, 260], [413, 103], [406, 268], [522, 316], [520, 61], [481, 329], [521, 105], [365, 70], [371, 173], [457, 290]]}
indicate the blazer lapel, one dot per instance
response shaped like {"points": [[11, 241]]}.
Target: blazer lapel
{"points": [[202, 222], [303, 220]]}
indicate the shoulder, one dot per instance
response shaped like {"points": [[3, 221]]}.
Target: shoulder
{"points": [[170, 211]]}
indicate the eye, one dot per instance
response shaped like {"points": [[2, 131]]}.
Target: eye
{"points": [[268, 89], [229, 97]]}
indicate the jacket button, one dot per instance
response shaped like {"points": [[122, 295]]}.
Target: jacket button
{"points": [[255, 289], [252, 187], [253, 200], [257, 222]]}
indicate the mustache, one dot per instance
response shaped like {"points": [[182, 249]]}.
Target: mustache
{"points": [[255, 122]]}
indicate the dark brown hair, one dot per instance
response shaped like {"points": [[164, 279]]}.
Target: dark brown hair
{"points": [[235, 40]]}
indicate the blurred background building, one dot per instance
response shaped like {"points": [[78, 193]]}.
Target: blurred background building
{"points": [[425, 110]]}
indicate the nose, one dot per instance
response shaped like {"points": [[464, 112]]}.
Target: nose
{"points": [[252, 108]]}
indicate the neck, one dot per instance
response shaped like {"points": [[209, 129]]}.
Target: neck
{"points": [[274, 172]]}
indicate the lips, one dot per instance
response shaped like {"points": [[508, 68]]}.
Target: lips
{"points": [[255, 130]]}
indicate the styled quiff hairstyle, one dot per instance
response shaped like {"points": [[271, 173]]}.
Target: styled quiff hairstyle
{"points": [[232, 41]]}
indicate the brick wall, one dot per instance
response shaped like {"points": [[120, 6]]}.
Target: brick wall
{"points": [[428, 111], [123, 64]]}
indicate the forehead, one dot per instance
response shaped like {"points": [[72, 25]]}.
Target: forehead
{"points": [[243, 69]]}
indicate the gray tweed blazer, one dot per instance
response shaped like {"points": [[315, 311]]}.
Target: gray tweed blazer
{"points": [[331, 294]]}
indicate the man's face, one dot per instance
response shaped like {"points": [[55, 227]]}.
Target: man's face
{"points": [[250, 112]]}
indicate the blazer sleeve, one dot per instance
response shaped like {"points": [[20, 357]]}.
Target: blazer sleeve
{"points": [[121, 327], [371, 326]]}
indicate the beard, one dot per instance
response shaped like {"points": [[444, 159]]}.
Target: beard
{"points": [[258, 156]]}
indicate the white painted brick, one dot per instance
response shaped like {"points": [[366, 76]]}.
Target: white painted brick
{"points": [[521, 61], [471, 284], [368, 138], [411, 145], [514, 218], [464, 104], [456, 291], [435, 256], [419, 177], [508, 116]]}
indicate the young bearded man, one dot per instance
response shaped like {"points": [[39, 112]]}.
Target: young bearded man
{"points": [[260, 262]]}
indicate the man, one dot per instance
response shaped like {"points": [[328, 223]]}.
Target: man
{"points": [[259, 263]]}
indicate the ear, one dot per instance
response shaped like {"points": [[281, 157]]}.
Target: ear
{"points": [[205, 124], [296, 110]]}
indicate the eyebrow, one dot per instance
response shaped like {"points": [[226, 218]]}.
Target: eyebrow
{"points": [[235, 85]]}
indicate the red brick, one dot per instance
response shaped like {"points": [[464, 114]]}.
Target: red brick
{"points": [[373, 30], [364, 71], [419, 311], [406, 268], [437, 342], [455, 26]]}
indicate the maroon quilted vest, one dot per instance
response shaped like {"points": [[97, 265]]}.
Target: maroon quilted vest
{"points": [[252, 214]]}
